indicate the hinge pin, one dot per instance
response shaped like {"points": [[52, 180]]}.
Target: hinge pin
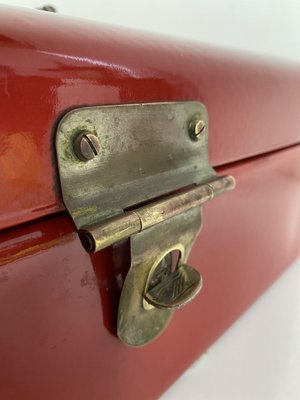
{"points": [[112, 230]]}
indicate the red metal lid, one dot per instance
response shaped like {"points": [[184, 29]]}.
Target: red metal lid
{"points": [[51, 63]]}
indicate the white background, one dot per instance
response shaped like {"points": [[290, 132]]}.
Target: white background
{"points": [[258, 358], [261, 26]]}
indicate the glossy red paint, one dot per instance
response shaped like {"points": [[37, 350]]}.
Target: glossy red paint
{"points": [[50, 63], [58, 304]]}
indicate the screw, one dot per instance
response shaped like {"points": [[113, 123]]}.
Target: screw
{"points": [[196, 128], [86, 146]]}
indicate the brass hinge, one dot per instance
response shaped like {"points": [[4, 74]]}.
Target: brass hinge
{"points": [[141, 171]]}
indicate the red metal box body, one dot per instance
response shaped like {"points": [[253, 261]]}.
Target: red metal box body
{"points": [[58, 304]]}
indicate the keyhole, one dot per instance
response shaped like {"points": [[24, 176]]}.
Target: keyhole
{"points": [[166, 266]]}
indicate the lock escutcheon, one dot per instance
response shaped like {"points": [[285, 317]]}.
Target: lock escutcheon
{"points": [[139, 324]]}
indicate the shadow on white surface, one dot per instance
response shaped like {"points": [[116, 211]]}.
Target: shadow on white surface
{"points": [[258, 358]]}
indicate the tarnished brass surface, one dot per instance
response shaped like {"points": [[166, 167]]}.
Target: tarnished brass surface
{"points": [[112, 230], [106, 233], [141, 171], [175, 289], [145, 151], [138, 325]]}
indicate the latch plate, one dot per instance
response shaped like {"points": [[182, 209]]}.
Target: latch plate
{"points": [[137, 324]]}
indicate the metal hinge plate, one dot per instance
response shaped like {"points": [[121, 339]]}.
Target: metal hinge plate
{"points": [[140, 171], [145, 151]]}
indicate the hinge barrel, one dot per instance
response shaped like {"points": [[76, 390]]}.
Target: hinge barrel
{"points": [[108, 232]]}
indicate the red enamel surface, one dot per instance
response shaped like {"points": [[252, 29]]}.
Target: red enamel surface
{"points": [[58, 305], [51, 63]]}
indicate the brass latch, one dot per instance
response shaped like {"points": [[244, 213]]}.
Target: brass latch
{"points": [[141, 171]]}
